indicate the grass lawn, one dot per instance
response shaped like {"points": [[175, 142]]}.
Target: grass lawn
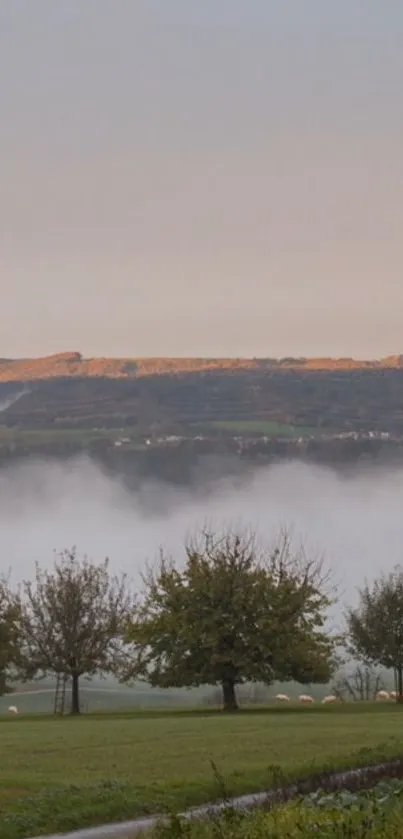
{"points": [[58, 774]]}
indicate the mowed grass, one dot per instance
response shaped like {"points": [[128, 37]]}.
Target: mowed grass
{"points": [[58, 774]]}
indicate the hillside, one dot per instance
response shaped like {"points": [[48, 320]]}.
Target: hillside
{"points": [[368, 399], [72, 364], [161, 417]]}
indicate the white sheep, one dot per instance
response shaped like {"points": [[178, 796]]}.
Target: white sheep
{"points": [[13, 709], [393, 694], [328, 700], [282, 697], [382, 694], [306, 700]]}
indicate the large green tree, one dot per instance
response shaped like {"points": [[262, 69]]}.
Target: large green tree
{"points": [[232, 614], [9, 634], [375, 626], [73, 619]]}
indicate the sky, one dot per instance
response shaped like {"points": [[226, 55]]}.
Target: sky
{"points": [[222, 178]]}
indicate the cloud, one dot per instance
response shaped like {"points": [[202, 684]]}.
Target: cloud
{"points": [[46, 505]]}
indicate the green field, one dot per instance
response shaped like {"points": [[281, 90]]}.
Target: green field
{"points": [[110, 695], [32, 437], [267, 428], [39, 699], [61, 773]]}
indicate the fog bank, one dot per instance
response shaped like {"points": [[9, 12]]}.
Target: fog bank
{"points": [[46, 505]]}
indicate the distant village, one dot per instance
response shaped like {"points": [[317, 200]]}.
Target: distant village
{"points": [[243, 442]]}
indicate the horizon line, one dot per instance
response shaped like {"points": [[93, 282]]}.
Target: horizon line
{"points": [[78, 356]]}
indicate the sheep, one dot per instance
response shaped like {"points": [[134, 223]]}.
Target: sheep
{"points": [[13, 709], [306, 700], [382, 694], [328, 700], [282, 697], [393, 694]]}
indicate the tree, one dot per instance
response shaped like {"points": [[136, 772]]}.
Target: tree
{"points": [[73, 619], [375, 627], [361, 684], [234, 614], [9, 634]]}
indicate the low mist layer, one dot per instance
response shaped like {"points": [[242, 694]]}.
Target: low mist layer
{"points": [[355, 522]]}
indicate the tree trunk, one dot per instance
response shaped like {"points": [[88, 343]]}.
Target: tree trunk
{"points": [[228, 689], [3, 685], [75, 695], [399, 691]]}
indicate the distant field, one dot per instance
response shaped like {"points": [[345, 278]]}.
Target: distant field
{"points": [[110, 695], [57, 774], [36, 438], [266, 428], [41, 699], [33, 438], [48, 435]]}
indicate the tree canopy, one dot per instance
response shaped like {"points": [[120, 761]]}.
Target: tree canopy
{"points": [[72, 620], [234, 613], [375, 626], [9, 634]]}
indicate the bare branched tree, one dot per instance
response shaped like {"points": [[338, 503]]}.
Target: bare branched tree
{"points": [[361, 684]]}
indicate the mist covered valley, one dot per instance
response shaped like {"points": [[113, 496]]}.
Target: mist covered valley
{"points": [[353, 522]]}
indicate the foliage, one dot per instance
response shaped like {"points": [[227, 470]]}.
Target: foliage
{"points": [[375, 627], [384, 792], [233, 614], [9, 634], [373, 814], [73, 619]]}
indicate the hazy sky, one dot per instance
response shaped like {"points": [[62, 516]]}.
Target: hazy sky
{"points": [[219, 178]]}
